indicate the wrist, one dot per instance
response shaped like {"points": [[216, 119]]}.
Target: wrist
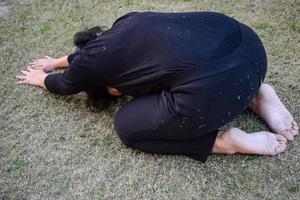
{"points": [[61, 62], [42, 80], [56, 63]]}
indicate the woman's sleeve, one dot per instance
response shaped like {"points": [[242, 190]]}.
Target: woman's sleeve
{"points": [[75, 79], [72, 56]]}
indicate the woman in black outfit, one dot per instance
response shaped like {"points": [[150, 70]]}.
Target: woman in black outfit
{"points": [[190, 74]]}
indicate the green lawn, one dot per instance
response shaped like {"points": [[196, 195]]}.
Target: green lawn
{"points": [[53, 147]]}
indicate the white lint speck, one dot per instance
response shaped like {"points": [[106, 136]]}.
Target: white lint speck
{"points": [[201, 126]]}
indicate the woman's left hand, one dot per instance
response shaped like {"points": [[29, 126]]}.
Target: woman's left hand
{"points": [[32, 77]]}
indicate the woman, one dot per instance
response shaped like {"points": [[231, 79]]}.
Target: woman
{"points": [[190, 74]]}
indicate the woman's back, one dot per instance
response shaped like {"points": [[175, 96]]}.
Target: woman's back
{"points": [[142, 50]]}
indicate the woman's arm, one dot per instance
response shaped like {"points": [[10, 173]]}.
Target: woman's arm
{"points": [[69, 82], [75, 79], [62, 62]]}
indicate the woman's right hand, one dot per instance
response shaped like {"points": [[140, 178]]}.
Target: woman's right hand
{"points": [[47, 64]]}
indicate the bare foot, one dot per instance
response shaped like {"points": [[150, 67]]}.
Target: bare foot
{"points": [[235, 140], [269, 107]]}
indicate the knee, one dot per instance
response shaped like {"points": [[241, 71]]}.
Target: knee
{"points": [[122, 131], [120, 124], [126, 141]]}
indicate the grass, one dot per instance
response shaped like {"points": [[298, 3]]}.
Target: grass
{"points": [[16, 165], [52, 147]]}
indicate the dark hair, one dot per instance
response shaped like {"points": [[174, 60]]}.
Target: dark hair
{"points": [[81, 38], [98, 98]]}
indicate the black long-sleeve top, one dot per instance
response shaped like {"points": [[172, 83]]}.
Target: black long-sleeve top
{"points": [[142, 50]]}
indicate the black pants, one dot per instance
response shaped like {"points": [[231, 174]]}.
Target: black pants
{"points": [[187, 124]]}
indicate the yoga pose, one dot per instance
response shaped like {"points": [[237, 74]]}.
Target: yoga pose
{"points": [[189, 73]]}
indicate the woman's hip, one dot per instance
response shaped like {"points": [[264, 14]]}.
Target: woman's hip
{"points": [[218, 98], [252, 47]]}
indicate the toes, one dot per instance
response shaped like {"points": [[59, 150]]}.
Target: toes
{"points": [[280, 148], [294, 123], [295, 126], [287, 123], [281, 138], [294, 132], [288, 135]]}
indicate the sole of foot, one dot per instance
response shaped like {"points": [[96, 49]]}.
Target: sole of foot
{"points": [[235, 140], [269, 107]]}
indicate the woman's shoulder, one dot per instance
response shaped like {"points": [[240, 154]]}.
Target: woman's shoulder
{"points": [[146, 16], [126, 16]]}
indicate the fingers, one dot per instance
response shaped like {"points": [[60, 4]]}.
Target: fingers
{"points": [[38, 64], [34, 66], [25, 72], [34, 62], [29, 70], [28, 76], [21, 77], [22, 82]]}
